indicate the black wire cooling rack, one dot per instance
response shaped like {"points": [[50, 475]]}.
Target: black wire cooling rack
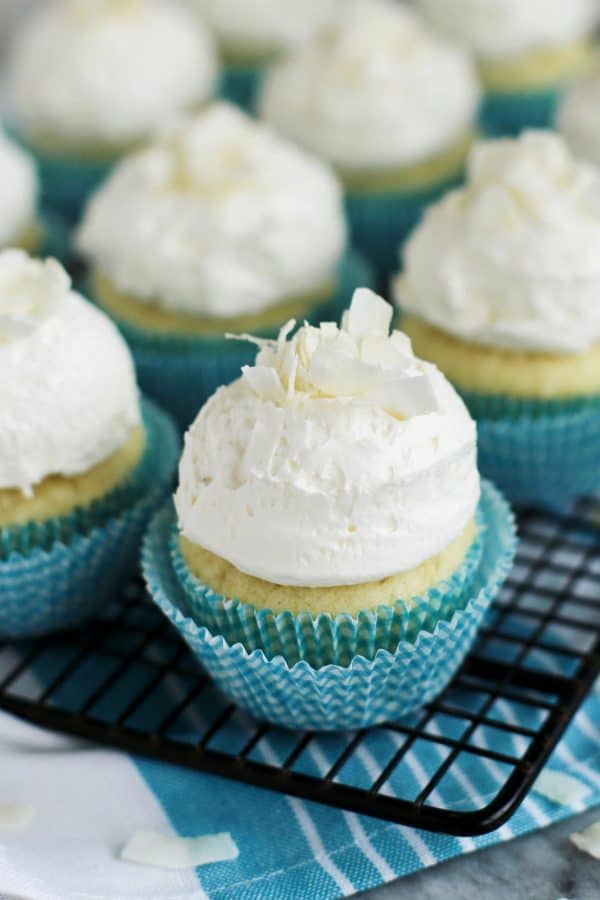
{"points": [[127, 680]]}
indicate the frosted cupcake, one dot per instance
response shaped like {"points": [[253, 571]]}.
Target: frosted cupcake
{"points": [[82, 465], [90, 79], [253, 34], [390, 105], [330, 531], [500, 290], [528, 52], [221, 226], [578, 118]]}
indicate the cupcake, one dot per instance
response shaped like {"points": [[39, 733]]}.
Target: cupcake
{"points": [[500, 288], [390, 105], [252, 34], [90, 79], [220, 226], [528, 52], [332, 552], [82, 464], [578, 120]]}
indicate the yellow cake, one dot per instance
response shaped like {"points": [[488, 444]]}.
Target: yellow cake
{"points": [[59, 495], [536, 70], [228, 581], [495, 370], [154, 318], [420, 175]]}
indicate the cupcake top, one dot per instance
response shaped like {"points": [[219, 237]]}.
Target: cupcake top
{"points": [[220, 218], [18, 191], [259, 28], [68, 397], [579, 118], [512, 259], [108, 71], [497, 29], [338, 458], [375, 90]]}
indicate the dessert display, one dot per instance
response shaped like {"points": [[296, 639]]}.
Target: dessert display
{"points": [[83, 463], [390, 104], [509, 313], [331, 538], [218, 226], [89, 81]]}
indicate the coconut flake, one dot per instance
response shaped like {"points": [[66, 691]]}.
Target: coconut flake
{"points": [[265, 382], [369, 314], [16, 816], [406, 396], [588, 840], [561, 788], [172, 852]]}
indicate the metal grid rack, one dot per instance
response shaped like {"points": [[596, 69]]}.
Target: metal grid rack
{"points": [[128, 681]]}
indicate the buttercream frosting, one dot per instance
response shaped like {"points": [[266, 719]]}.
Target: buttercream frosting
{"points": [[265, 26], [108, 70], [375, 90], [220, 218], [68, 396], [338, 458], [497, 29], [512, 259], [578, 119], [18, 191]]}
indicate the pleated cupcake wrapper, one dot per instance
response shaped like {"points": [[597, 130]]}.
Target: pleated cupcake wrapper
{"points": [[181, 372], [64, 574], [333, 697], [539, 452], [326, 639], [240, 84], [380, 222], [510, 113]]}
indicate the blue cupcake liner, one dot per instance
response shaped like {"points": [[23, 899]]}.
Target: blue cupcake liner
{"points": [[508, 114], [55, 238], [240, 84], [325, 639], [182, 372], [380, 222], [364, 692], [539, 453], [69, 568]]}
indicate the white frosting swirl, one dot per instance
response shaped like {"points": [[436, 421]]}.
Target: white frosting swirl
{"points": [[358, 94], [68, 396], [18, 191], [512, 259], [496, 29], [265, 26], [339, 458], [578, 119], [108, 70], [221, 218]]}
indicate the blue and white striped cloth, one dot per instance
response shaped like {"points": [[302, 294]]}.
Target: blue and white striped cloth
{"points": [[90, 801]]}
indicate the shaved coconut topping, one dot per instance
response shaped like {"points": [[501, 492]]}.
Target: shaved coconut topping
{"points": [[561, 788], [588, 840], [171, 852], [16, 815], [359, 360]]}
